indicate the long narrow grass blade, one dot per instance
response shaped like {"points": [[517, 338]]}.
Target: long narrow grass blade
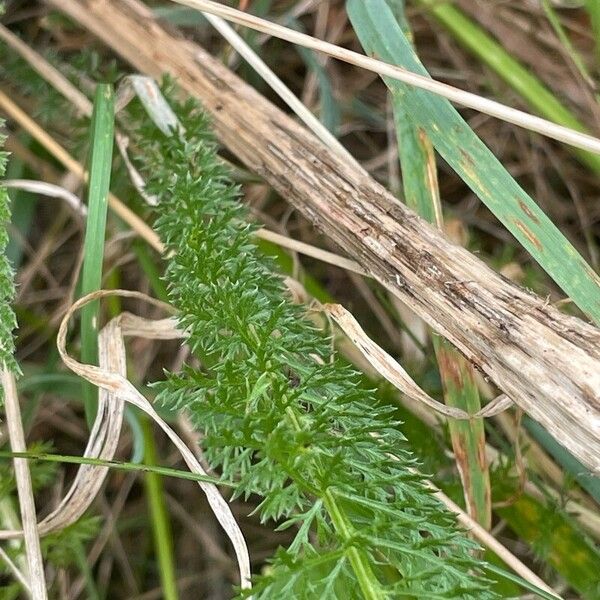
{"points": [[561, 34], [468, 437], [388, 368], [380, 34], [593, 8], [277, 85], [56, 150], [128, 467], [161, 526], [419, 178], [12, 567], [565, 459], [102, 133], [23, 210]]}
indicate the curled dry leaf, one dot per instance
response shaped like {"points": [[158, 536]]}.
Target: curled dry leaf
{"points": [[115, 390], [388, 368]]}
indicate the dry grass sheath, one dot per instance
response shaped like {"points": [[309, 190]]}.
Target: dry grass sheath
{"points": [[546, 362]]}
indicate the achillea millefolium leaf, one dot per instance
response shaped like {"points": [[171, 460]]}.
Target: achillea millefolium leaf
{"points": [[8, 321], [281, 417]]}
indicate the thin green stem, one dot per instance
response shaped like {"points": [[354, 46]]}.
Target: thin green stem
{"points": [[554, 21], [84, 567], [114, 464], [161, 526], [102, 130], [593, 8], [367, 581]]}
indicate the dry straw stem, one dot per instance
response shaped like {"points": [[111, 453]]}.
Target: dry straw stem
{"points": [[48, 189], [489, 541], [139, 226], [257, 63], [546, 362], [48, 72], [102, 444], [461, 97], [16, 572], [27, 123], [37, 582]]}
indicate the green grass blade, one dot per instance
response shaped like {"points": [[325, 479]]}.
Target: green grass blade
{"points": [[564, 39], [86, 571], [102, 131], [593, 9], [419, 179], [23, 210], [330, 112], [161, 526], [533, 91], [468, 437], [115, 464], [452, 137]]}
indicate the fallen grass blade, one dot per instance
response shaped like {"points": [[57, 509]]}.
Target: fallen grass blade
{"points": [[452, 137], [493, 54], [12, 567], [48, 189], [102, 444], [276, 84], [102, 134], [388, 368], [56, 150]]}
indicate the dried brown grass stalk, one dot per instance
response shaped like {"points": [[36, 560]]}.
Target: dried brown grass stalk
{"points": [[546, 362], [37, 582]]}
